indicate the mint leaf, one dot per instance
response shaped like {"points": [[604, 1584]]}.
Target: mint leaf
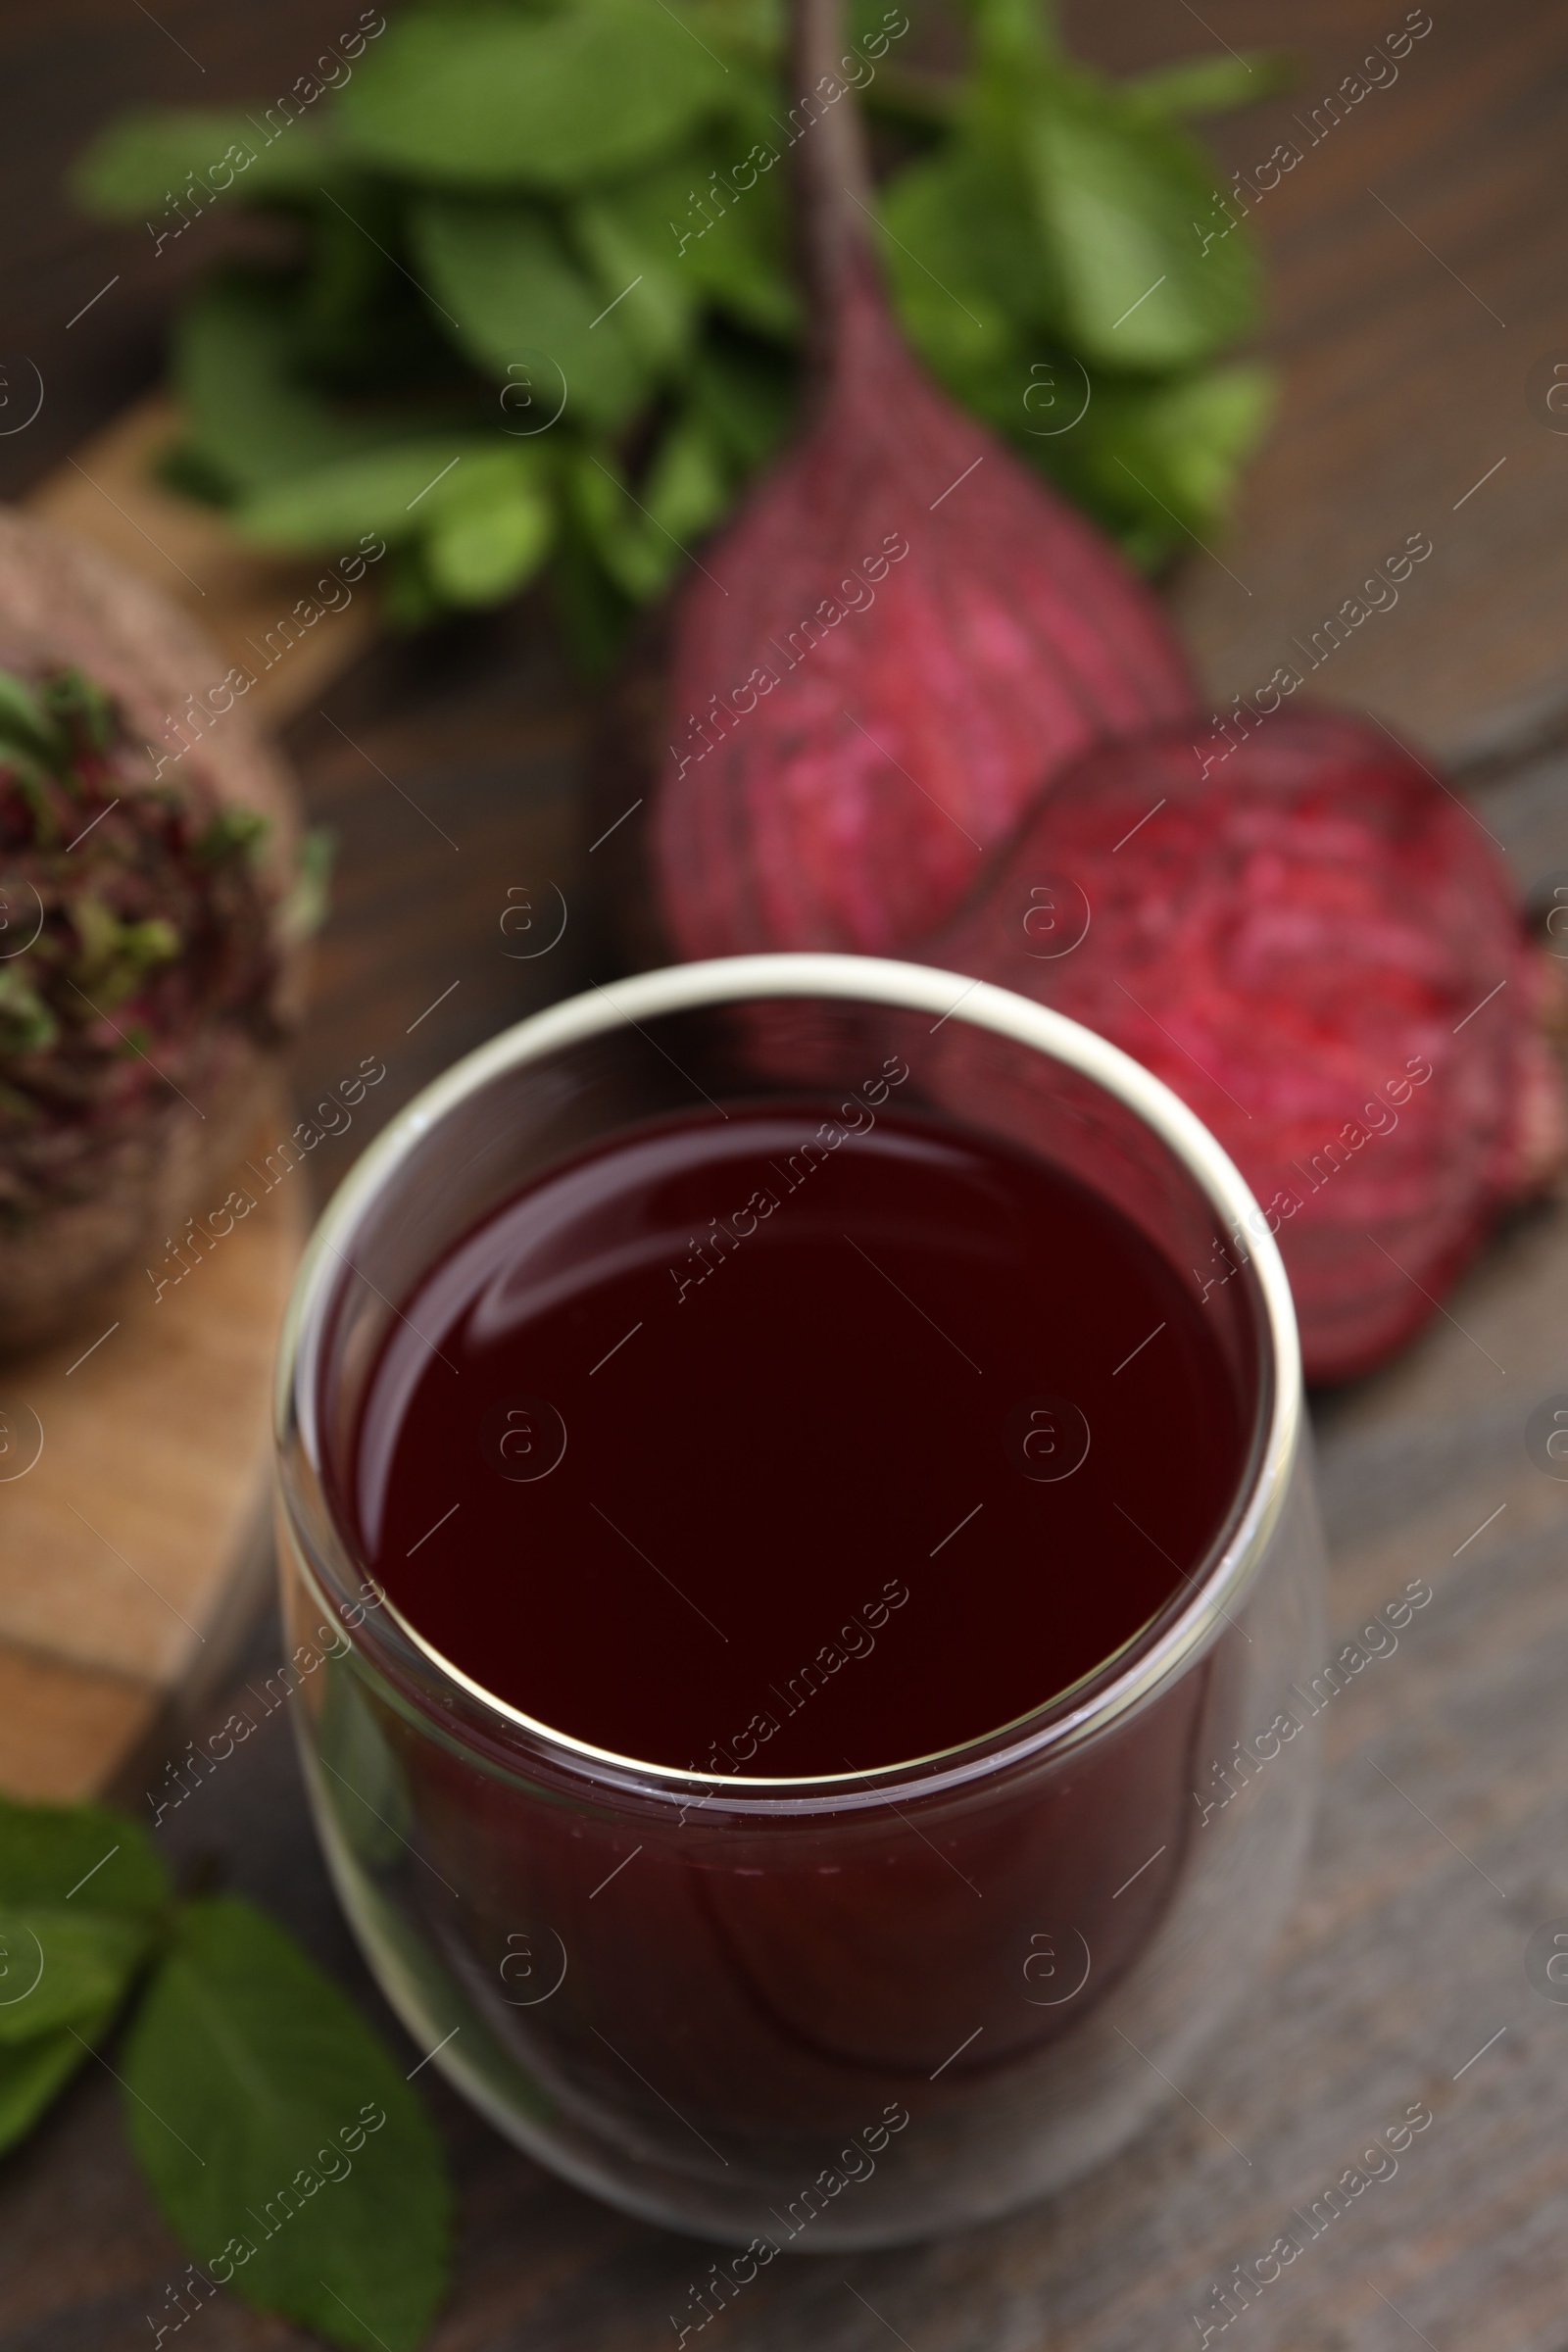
{"points": [[963, 263], [686, 488], [1187, 440], [636, 557], [1213, 85], [58, 1967], [1013, 40], [488, 546], [390, 491], [967, 210], [281, 2140], [253, 417], [1117, 191], [604, 182], [141, 166], [727, 245], [643, 539], [504, 274], [1156, 462], [81, 1895], [656, 301], [83, 1855], [33, 2074], [496, 98]]}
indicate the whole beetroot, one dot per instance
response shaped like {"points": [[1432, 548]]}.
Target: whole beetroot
{"points": [[147, 964], [901, 635], [1316, 947]]}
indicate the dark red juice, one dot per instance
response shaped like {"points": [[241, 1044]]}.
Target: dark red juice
{"points": [[783, 1439], [731, 1447]]}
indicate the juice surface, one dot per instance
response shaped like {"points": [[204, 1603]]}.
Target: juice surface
{"points": [[722, 1447]]}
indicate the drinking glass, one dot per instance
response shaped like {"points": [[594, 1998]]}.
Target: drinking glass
{"points": [[836, 2012]]}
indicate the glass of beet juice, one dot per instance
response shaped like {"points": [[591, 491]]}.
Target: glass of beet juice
{"points": [[797, 1528]]}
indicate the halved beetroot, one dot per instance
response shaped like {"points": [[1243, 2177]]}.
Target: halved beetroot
{"points": [[1315, 945]]}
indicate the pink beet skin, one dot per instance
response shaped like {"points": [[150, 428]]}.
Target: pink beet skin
{"points": [[900, 637], [1316, 947]]}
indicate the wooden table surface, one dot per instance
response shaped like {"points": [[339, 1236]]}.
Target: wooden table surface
{"points": [[1420, 254]]}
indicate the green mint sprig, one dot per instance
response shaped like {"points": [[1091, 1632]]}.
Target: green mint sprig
{"points": [[541, 316], [274, 2128]]}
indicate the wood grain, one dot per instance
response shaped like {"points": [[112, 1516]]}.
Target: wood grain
{"points": [[65, 1731], [130, 1563]]}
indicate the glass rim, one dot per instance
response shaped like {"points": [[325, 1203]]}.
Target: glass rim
{"points": [[1116, 1686]]}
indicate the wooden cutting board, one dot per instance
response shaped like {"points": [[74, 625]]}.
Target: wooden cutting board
{"points": [[135, 1542], [134, 1525]]}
